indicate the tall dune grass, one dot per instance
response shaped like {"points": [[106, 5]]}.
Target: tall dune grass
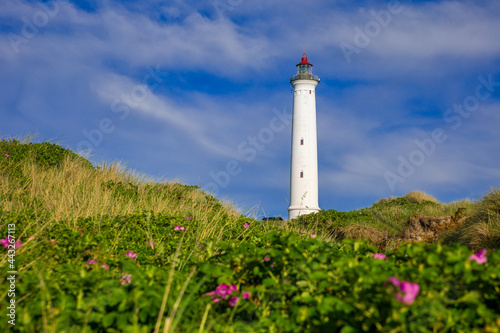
{"points": [[71, 191], [481, 230]]}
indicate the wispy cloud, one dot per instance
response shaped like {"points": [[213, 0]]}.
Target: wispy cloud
{"points": [[223, 76]]}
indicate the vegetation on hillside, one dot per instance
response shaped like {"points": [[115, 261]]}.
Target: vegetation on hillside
{"points": [[103, 249], [385, 221]]}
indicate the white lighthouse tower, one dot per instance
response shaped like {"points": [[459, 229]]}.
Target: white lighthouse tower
{"points": [[304, 161]]}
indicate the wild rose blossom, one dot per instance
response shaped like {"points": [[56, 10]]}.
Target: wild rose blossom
{"points": [[224, 291], [246, 225], [152, 244], [105, 266], [407, 291], [379, 256], [313, 236], [179, 228], [7, 155], [91, 262], [131, 254], [189, 218], [6, 242], [233, 301], [479, 257], [126, 279]]}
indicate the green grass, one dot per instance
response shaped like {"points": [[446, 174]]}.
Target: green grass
{"points": [[77, 222], [385, 217]]}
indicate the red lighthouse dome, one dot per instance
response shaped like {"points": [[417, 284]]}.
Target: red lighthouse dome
{"points": [[304, 60]]}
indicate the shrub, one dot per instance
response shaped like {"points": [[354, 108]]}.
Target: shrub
{"points": [[44, 154]]}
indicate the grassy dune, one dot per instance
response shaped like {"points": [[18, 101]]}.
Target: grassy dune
{"points": [[104, 249]]}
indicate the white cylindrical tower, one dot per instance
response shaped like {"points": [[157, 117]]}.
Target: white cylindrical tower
{"points": [[304, 161]]}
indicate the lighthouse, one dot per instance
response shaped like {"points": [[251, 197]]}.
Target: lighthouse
{"points": [[304, 160]]}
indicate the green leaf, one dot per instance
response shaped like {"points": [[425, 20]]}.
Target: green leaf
{"points": [[433, 259], [108, 319]]}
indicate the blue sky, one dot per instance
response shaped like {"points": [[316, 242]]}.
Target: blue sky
{"points": [[198, 91]]}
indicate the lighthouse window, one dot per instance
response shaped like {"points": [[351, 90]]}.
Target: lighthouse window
{"points": [[301, 142], [302, 174]]}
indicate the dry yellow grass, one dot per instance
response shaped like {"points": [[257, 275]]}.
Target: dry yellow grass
{"points": [[360, 231], [482, 230], [419, 197], [73, 191]]}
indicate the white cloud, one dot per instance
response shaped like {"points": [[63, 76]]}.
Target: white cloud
{"points": [[370, 111]]}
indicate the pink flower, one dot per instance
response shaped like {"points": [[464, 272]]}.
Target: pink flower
{"points": [[266, 259], [152, 244], [131, 254], [246, 225], [189, 218], [224, 291], [379, 256], [272, 266], [105, 266], [126, 278], [7, 155], [5, 242], [479, 257], [53, 241], [81, 233], [31, 237], [179, 228], [233, 301], [313, 236], [91, 262], [407, 291]]}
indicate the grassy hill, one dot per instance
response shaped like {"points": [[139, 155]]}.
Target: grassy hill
{"points": [[103, 249]]}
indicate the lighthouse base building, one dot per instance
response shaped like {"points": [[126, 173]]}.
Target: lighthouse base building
{"points": [[304, 159]]}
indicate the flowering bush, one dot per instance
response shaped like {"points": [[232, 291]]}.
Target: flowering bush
{"points": [[259, 279]]}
